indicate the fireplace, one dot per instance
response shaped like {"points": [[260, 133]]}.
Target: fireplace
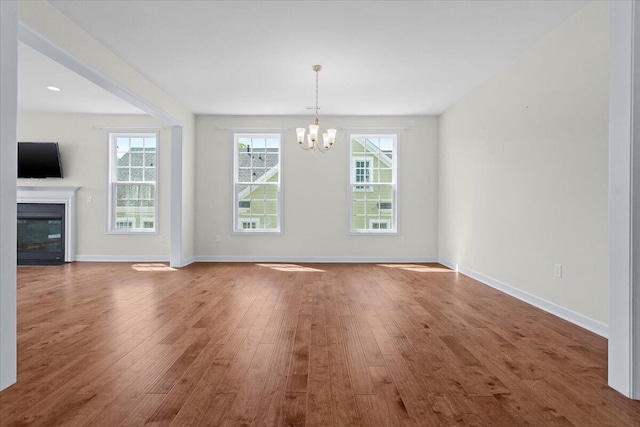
{"points": [[48, 223], [41, 231]]}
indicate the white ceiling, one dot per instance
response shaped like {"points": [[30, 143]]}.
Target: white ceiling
{"points": [[77, 94], [379, 58]]}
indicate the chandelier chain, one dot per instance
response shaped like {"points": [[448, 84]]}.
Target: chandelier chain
{"points": [[317, 93]]}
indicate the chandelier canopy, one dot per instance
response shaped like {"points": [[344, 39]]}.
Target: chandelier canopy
{"points": [[328, 138]]}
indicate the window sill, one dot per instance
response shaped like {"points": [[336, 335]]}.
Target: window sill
{"points": [[256, 232], [132, 232], [373, 233]]}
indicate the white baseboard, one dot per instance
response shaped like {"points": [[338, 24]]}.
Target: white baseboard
{"points": [[188, 261], [312, 259], [448, 264], [122, 258], [578, 319]]}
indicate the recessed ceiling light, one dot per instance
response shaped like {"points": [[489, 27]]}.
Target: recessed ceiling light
{"points": [[53, 88]]}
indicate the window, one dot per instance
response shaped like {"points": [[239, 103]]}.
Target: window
{"points": [[373, 160], [133, 175], [256, 180]]}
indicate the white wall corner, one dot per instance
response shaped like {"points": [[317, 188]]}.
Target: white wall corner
{"points": [[188, 261], [624, 199], [447, 263], [8, 165]]}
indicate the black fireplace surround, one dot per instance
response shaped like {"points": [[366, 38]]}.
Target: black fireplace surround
{"points": [[41, 231]]}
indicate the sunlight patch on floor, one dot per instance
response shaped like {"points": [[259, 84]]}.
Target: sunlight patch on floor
{"points": [[418, 268], [291, 267], [152, 267]]}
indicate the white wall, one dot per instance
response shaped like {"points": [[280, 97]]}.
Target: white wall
{"points": [[315, 186], [84, 157], [8, 106], [523, 171]]}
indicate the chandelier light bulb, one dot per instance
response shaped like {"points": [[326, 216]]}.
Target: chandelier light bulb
{"points": [[300, 132], [332, 135], [325, 140], [313, 132]]}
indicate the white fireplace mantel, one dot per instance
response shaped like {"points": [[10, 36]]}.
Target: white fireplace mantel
{"points": [[60, 195]]}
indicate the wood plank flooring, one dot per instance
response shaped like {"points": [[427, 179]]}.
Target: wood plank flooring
{"points": [[294, 345]]}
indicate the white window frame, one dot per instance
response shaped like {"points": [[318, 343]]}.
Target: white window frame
{"points": [[393, 222], [112, 181], [237, 221]]}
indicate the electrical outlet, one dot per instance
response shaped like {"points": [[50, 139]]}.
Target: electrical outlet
{"points": [[218, 239], [89, 199], [557, 270]]}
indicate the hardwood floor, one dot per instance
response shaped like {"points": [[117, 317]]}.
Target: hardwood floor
{"points": [[316, 345]]}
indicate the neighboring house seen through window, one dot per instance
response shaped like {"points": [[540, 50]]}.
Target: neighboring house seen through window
{"points": [[362, 172], [256, 180], [382, 224], [373, 160], [133, 159]]}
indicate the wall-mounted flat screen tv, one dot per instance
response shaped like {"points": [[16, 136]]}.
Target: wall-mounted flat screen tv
{"points": [[39, 160]]}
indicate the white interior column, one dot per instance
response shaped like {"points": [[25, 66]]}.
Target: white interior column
{"points": [[624, 199], [8, 120], [175, 257]]}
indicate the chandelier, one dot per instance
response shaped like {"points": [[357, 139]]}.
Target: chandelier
{"points": [[328, 138]]}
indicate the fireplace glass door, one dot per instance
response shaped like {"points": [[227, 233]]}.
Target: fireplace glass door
{"points": [[40, 234]]}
